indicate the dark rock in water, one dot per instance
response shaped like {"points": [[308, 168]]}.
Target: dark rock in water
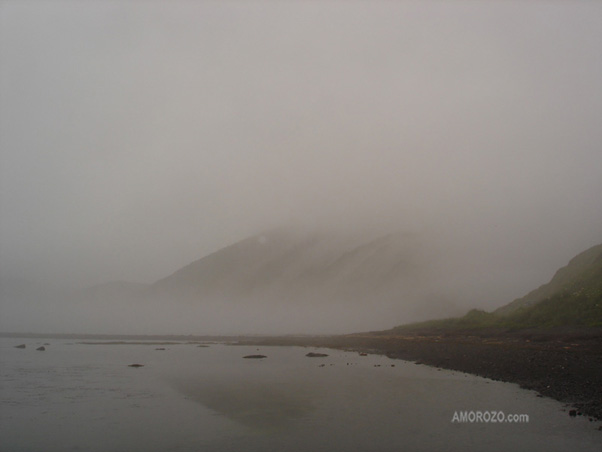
{"points": [[20, 346], [254, 356], [316, 355], [136, 365], [41, 349], [573, 413]]}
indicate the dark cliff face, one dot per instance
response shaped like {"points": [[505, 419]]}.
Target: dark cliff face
{"points": [[583, 274]]}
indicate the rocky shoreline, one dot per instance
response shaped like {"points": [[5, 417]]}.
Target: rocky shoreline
{"points": [[565, 367]]}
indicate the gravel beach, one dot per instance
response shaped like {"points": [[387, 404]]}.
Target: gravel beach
{"points": [[564, 366]]}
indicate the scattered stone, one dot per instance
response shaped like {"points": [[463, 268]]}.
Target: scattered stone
{"points": [[203, 346], [363, 354], [254, 356], [573, 413], [20, 346], [159, 349], [418, 363], [41, 349], [392, 365], [316, 355], [136, 365], [321, 365]]}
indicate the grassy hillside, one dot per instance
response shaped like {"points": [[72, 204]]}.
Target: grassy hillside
{"points": [[573, 298], [582, 272]]}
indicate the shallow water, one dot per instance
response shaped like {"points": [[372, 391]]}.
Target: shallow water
{"points": [[80, 397]]}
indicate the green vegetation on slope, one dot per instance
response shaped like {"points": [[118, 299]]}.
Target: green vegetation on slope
{"points": [[573, 298], [583, 271]]}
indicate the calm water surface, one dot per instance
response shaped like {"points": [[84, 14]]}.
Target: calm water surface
{"points": [[81, 397]]}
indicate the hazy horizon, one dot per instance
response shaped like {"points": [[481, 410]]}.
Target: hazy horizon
{"points": [[137, 137]]}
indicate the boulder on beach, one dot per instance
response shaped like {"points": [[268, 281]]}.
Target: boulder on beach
{"points": [[316, 355], [136, 365], [41, 349], [254, 356], [20, 346]]}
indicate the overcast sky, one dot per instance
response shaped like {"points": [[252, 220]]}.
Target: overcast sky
{"points": [[137, 136]]}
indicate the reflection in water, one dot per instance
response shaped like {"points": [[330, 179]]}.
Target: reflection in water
{"points": [[260, 405], [211, 399]]}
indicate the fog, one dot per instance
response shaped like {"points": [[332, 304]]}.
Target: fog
{"points": [[137, 137]]}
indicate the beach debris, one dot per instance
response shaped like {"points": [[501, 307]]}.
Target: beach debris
{"points": [[20, 346], [41, 349], [573, 413], [136, 365], [254, 356], [316, 355]]}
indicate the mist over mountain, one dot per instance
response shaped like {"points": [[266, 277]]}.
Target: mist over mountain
{"points": [[282, 281], [291, 267], [289, 281], [286, 281], [142, 141]]}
